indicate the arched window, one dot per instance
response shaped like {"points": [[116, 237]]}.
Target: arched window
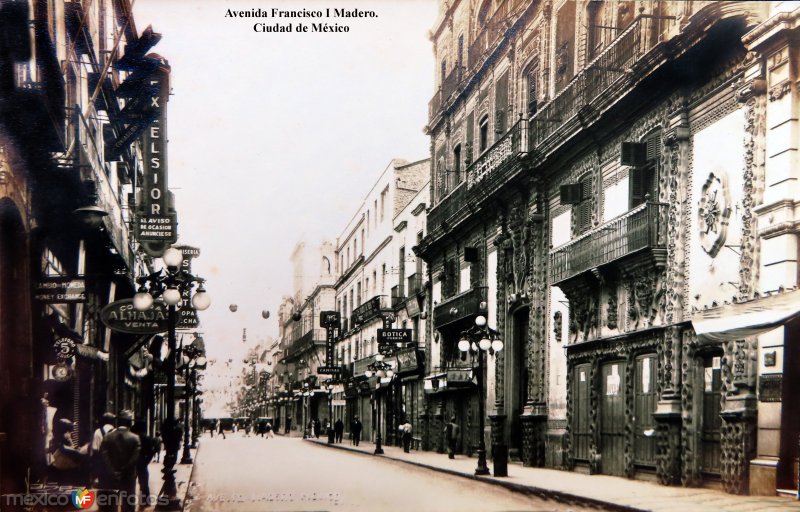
{"points": [[326, 265]]}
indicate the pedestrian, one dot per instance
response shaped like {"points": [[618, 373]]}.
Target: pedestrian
{"points": [[338, 428], [317, 427], [120, 449], [406, 433], [355, 430], [213, 427], [106, 425], [451, 431], [68, 460], [222, 430], [159, 445], [146, 454], [288, 425], [268, 430]]}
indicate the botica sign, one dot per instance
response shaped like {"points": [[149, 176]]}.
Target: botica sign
{"points": [[121, 316]]}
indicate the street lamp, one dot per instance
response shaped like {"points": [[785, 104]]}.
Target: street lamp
{"points": [[380, 369], [193, 357], [476, 341], [168, 283]]}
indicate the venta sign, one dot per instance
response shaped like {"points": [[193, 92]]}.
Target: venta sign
{"points": [[121, 316]]}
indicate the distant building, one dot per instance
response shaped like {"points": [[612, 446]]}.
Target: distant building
{"points": [[374, 264]]}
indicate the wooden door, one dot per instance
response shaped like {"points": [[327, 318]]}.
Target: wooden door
{"points": [[612, 418], [645, 401], [581, 436], [710, 431]]}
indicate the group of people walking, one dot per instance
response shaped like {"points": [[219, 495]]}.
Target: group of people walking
{"points": [[116, 457]]}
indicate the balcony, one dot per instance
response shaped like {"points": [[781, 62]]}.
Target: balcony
{"points": [[448, 87], [459, 306], [314, 337], [485, 175], [607, 69], [369, 310], [643, 228]]}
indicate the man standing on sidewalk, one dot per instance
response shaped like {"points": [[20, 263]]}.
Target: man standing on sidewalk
{"points": [[451, 431], [355, 429], [120, 451]]}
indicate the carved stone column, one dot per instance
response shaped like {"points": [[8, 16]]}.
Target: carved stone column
{"points": [[669, 350], [534, 418], [738, 431]]}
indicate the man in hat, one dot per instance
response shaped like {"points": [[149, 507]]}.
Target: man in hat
{"points": [[120, 451], [106, 425]]}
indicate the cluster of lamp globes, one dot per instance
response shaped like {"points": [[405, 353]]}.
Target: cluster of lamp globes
{"points": [[380, 372], [172, 258], [465, 345]]}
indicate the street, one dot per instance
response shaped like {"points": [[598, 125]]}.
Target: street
{"points": [[258, 474]]}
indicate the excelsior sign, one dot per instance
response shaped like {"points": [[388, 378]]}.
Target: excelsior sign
{"points": [[121, 316]]}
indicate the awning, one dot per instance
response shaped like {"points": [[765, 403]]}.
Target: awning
{"points": [[757, 316]]}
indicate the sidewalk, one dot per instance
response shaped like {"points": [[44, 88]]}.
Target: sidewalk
{"points": [[605, 492], [183, 475]]}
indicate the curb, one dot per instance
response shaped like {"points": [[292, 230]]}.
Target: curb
{"points": [[529, 490], [187, 497]]}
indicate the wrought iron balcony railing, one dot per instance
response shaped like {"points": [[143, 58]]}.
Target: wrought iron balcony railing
{"points": [[611, 65], [459, 306], [644, 227], [483, 176]]}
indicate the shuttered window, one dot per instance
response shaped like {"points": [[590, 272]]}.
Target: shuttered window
{"points": [[583, 209], [643, 179]]}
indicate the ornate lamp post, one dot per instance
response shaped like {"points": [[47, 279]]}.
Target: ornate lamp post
{"points": [[168, 284], [193, 358], [380, 369], [476, 341]]}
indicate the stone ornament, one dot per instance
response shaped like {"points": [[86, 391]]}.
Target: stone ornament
{"points": [[713, 213]]}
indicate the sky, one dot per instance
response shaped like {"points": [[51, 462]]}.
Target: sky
{"points": [[277, 137]]}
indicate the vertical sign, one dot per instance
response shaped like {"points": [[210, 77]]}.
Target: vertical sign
{"points": [[187, 315], [330, 320], [156, 221]]}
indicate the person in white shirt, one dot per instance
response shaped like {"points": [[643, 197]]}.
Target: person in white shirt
{"points": [[106, 425]]}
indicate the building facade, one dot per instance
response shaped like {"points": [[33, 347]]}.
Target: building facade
{"points": [[376, 270], [578, 189], [302, 338], [71, 165]]}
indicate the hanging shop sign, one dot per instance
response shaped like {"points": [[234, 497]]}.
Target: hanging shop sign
{"points": [[121, 316], [187, 315], [62, 372], [388, 339], [60, 290], [65, 348]]}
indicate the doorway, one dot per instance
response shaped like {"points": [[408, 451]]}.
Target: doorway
{"points": [[612, 418], [517, 382], [712, 422]]}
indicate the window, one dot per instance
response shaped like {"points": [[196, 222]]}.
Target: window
{"points": [[355, 249], [374, 280], [484, 134], [583, 209], [362, 239], [367, 221], [531, 78], [383, 277], [376, 214], [402, 270], [460, 56], [642, 180], [348, 257], [384, 195], [443, 71], [456, 165], [366, 286], [594, 26], [565, 45], [358, 292]]}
